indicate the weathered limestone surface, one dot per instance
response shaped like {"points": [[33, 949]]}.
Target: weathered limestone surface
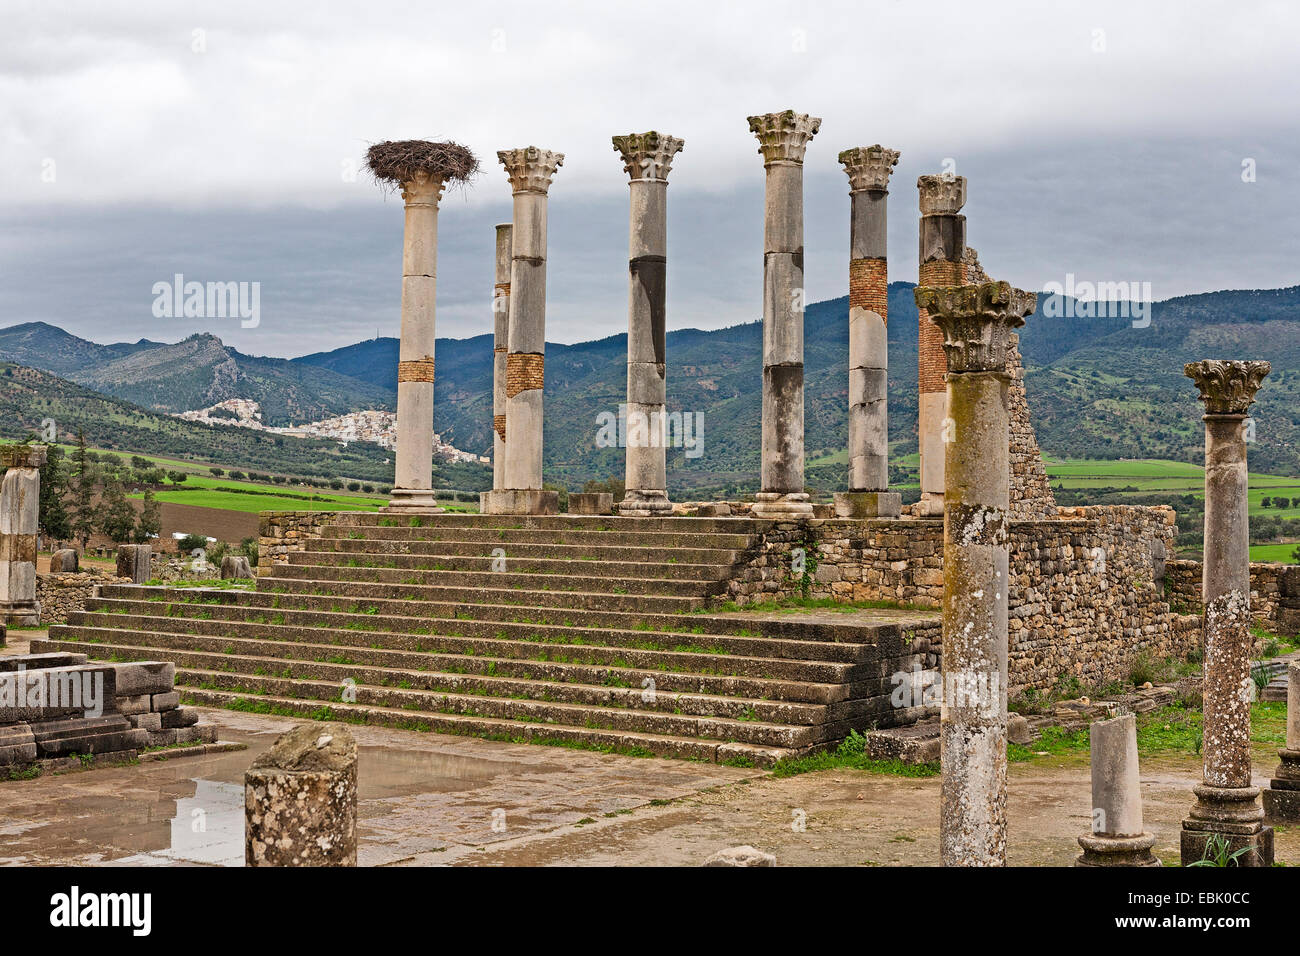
{"points": [[1227, 804], [975, 322], [1282, 796], [783, 139], [20, 491], [591, 503], [530, 171], [64, 561], [741, 856], [1117, 837], [235, 566], [300, 800], [868, 169], [647, 159], [413, 474]]}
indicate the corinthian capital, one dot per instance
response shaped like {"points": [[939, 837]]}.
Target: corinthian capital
{"points": [[976, 321], [423, 188], [942, 195], [530, 169], [648, 155], [869, 166], [783, 137], [1227, 387]]}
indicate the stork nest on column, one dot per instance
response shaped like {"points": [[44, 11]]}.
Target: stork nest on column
{"points": [[398, 161]]}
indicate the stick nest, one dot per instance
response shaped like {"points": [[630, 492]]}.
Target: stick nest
{"points": [[398, 161]]}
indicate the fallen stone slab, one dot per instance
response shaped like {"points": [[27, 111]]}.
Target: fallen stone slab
{"points": [[17, 745], [50, 693], [86, 735], [161, 702], [14, 662]]}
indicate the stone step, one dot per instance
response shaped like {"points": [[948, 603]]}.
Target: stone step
{"points": [[573, 552], [504, 580], [187, 649], [693, 623], [669, 724], [464, 596], [638, 743], [558, 536], [146, 614], [483, 564], [102, 628], [392, 673], [614, 523]]}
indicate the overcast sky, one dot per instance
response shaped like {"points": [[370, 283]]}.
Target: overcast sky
{"points": [[222, 140]]}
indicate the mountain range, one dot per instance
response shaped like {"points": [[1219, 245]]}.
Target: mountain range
{"points": [[1097, 387]]}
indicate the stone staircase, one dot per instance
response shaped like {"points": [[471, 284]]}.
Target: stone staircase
{"points": [[574, 631]]}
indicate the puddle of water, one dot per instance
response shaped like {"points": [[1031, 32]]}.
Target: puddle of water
{"points": [[163, 813]]}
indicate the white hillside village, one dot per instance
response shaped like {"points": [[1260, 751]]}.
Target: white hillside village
{"points": [[369, 425]]}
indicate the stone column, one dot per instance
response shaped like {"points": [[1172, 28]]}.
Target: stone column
{"points": [[500, 338], [976, 322], [1116, 837], [300, 800], [942, 246], [413, 473], [1227, 805], [868, 168], [783, 139], [20, 494], [1282, 796], [530, 170], [647, 159]]}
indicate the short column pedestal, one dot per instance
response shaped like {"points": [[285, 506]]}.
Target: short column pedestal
{"points": [[868, 504], [520, 501]]}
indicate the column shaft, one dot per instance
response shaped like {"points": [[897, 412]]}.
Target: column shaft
{"points": [[1227, 806], [647, 159], [942, 244], [500, 338], [975, 572], [526, 358], [413, 472]]}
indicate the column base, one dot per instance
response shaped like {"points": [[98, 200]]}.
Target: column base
{"points": [[414, 499], [1100, 850], [1282, 796], [1232, 814], [772, 504], [645, 504], [868, 504], [521, 501], [21, 614], [930, 505]]}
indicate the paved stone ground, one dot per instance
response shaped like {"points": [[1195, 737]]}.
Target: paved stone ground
{"points": [[430, 799]]}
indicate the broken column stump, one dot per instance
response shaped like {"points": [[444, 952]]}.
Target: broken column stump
{"points": [[300, 800], [135, 561], [1282, 795], [1117, 837]]}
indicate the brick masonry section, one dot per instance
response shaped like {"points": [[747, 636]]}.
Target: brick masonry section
{"points": [[869, 286], [932, 365], [417, 370], [524, 371]]}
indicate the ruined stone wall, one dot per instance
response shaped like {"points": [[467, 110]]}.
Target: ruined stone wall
{"points": [[1274, 593], [62, 593], [1086, 593], [280, 532]]}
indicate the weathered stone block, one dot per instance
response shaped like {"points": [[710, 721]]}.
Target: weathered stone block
{"points": [[300, 800], [63, 561]]}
